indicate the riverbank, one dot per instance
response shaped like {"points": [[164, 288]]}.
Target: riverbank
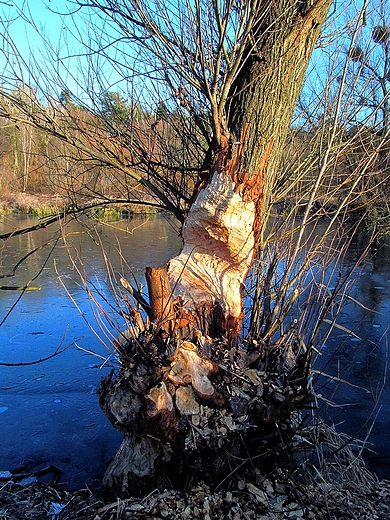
{"points": [[362, 498], [38, 205], [41, 205], [326, 480]]}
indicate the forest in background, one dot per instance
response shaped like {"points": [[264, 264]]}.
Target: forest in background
{"points": [[35, 162], [138, 145]]}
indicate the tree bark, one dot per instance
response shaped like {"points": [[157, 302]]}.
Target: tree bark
{"points": [[222, 229], [162, 313]]}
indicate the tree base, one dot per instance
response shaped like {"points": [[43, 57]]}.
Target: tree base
{"points": [[134, 468], [186, 417]]}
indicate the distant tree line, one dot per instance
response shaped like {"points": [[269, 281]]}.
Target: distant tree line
{"points": [[35, 161]]}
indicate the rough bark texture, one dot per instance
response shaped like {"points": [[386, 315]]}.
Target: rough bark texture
{"points": [[198, 406]]}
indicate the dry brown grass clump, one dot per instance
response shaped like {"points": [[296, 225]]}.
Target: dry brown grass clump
{"points": [[335, 478]]}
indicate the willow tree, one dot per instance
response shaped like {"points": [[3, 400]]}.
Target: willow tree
{"points": [[246, 60], [242, 63]]}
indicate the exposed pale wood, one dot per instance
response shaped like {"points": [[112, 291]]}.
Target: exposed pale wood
{"points": [[218, 251], [134, 461], [186, 401], [160, 399], [188, 367]]}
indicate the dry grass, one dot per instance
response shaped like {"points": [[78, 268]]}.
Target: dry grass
{"points": [[330, 482], [40, 205], [334, 476]]}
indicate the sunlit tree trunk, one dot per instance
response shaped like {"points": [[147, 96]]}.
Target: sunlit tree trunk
{"points": [[222, 229], [26, 149]]}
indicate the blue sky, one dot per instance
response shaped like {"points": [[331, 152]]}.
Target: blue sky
{"points": [[60, 33], [44, 14], [83, 76], [49, 17]]}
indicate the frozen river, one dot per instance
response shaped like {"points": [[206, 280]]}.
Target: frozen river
{"points": [[49, 412]]}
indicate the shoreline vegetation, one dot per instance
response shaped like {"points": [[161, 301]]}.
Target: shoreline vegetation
{"points": [[42, 205], [30, 204]]}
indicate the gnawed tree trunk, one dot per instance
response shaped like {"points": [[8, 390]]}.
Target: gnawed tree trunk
{"points": [[189, 397], [224, 223], [220, 241]]}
